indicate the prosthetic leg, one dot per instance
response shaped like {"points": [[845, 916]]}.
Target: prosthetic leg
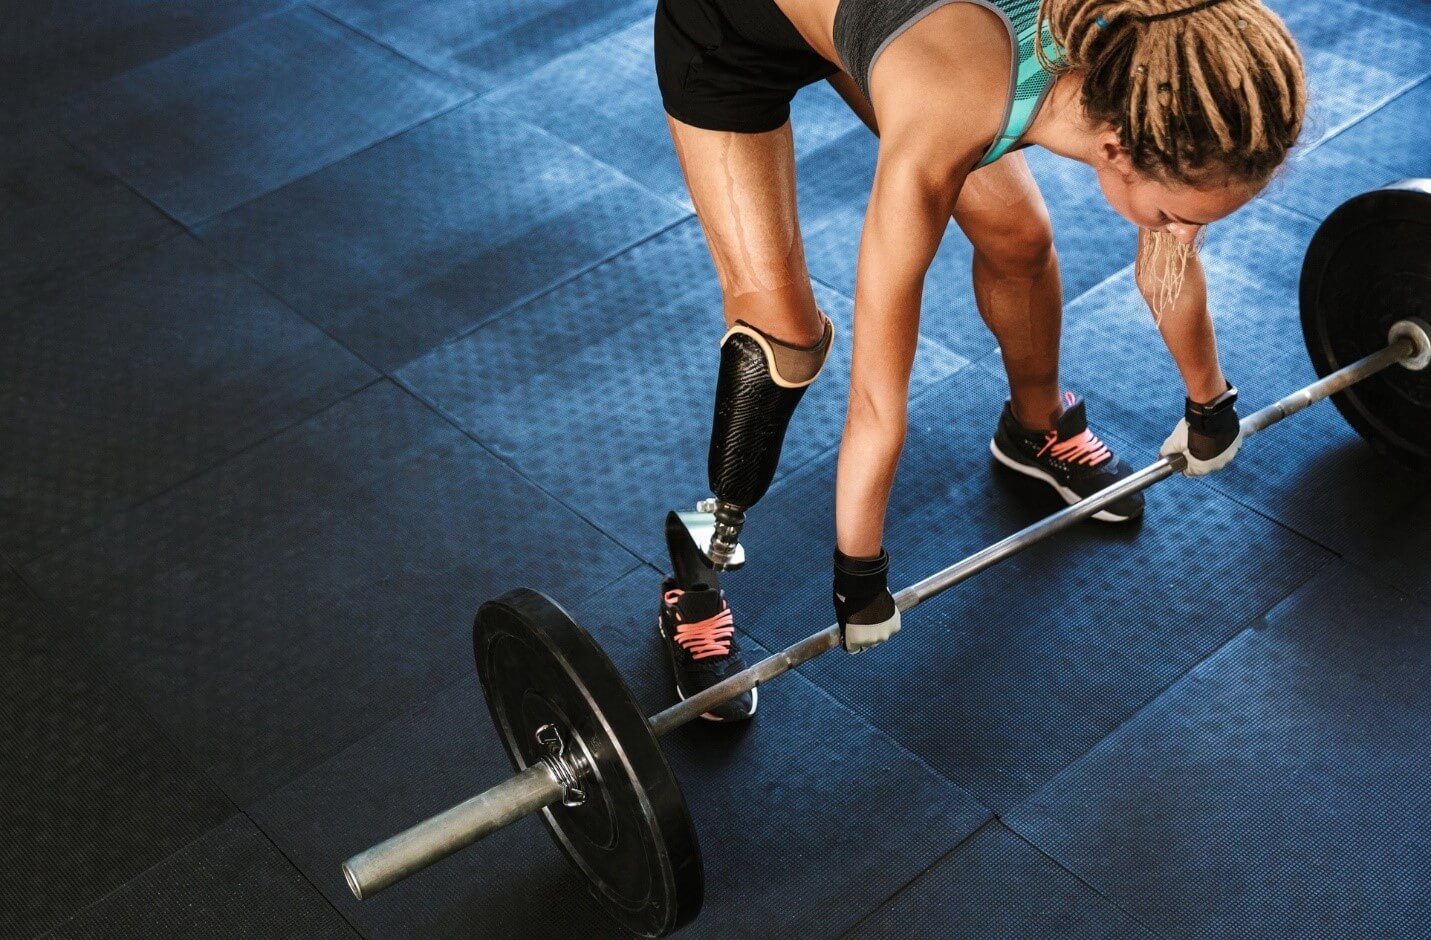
{"points": [[761, 382]]}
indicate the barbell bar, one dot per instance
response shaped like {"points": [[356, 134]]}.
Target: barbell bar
{"points": [[539, 786]]}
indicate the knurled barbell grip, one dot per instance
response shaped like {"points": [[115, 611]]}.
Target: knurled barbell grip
{"points": [[436, 838], [536, 787]]}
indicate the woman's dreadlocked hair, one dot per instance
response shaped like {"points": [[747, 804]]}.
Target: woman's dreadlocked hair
{"points": [[1196, 90]]}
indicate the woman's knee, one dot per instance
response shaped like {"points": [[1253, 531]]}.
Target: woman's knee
{"points": [[1022, 249]]}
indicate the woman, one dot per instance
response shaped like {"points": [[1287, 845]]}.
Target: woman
{"points": [[1184, 108]]}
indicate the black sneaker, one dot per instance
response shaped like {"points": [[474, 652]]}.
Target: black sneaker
{"points": [[699, 633], [1070, 458]]}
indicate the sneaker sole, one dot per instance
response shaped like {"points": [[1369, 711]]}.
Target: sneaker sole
{"points": [[708, 716], [1067, 495]]}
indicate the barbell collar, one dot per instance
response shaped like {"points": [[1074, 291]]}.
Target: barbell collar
{"points": [[435, 838]]}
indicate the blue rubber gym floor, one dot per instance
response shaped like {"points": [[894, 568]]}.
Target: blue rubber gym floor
{"points": [[325, 322]]}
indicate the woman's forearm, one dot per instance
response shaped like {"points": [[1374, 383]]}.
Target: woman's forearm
{"points": [[1187, 330]]}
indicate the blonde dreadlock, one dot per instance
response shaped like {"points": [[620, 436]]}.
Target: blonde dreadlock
{"points": [[1197, 91]]}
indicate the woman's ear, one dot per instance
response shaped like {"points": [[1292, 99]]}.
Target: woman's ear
{"points": [[1113, 156]]}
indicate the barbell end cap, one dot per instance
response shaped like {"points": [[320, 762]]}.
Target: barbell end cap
{"points": [[1419, 333], [352, 881]]}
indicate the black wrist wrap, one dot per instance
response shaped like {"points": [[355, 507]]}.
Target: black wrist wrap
{"points": [[859, 582]]}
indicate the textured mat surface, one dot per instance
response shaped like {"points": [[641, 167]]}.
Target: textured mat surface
{"points": [[241, 114], [48, 50], [93, 795], [601, 391], [604, 99], [484, 43], [230, 883], [1010, 676], [799, 827], [128, 381], [60, 216], [1278, 790], [997, 885], [278, 608], [429, 234]]}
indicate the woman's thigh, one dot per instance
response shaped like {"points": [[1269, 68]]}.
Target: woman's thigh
{"points": [[743, 188]]}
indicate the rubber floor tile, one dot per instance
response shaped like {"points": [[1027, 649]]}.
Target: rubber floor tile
{"points": [[1091, 239], [231, 883], [602, 390], [997, 885], [604, 99], [50, 50], [274, 610], [60, 216], [798, 831], [1356, 58], [484, 43], [1009, 677], [135, 377], [93, 793], [1276, 791], [224, 121], [1397, 548], [1417, 11], [429, 234]]}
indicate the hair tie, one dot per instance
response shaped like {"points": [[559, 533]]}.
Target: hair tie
{"points": [[1174, 14], [1100, 22]]}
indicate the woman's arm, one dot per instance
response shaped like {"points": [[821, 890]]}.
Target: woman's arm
{"points": [[1185, 323], [910, 205]]}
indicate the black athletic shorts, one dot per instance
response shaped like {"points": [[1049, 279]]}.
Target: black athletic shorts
{"points": [[732, 65]]}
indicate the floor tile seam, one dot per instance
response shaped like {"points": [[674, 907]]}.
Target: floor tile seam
{"points": [[1371, 572], [1218, 487], [992, 822], [457, 425], [512, 307], [202, 471], [317, 7], [66, 919], [50, 290], [1336, 130], [317, 891], [1248, 627], [1114, 902]]}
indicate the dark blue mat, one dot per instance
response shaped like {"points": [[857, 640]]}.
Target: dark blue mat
{"points": [[232, 118], [602, 390], [60, 216], [807, 816], [231, 883], [427, 235], [93, 794], [276, 609], [604, 99], [1279, 790], [1014, 674], [997, 885], [483, 43], [128, 381], [49, 50]]}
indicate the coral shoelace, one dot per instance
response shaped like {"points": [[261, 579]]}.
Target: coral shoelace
{"points": [[1082, 448], [704, 638]]}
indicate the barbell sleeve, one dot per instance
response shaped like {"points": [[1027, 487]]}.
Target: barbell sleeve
{"points": [[536, 787], [435, 838]]}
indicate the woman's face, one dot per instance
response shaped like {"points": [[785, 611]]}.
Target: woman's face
{"points": [[1175, 208]]}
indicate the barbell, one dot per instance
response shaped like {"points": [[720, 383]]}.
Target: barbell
{"points": [[586, 757]]}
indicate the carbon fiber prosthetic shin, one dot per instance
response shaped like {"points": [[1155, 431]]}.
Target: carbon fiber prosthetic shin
{"points": [[761, 382]]}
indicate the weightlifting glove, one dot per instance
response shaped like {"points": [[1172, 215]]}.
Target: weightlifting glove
{"points": [[1209, 435], [863, 604]]}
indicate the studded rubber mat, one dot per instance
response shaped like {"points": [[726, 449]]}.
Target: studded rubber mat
{"points": [[128, 381], [93, 794], [1005, 679], [232, 883], [61, 216], [431, 233], [487, 43], [807, 816], [223, 121], [996, 886], [1278, 790], [601, 391], [278, 608]]}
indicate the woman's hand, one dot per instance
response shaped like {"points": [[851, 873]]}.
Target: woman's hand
{"points": [[1208, 436]]}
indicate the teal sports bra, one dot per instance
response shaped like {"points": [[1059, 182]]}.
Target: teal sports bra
{"points": [[865, 28]]}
